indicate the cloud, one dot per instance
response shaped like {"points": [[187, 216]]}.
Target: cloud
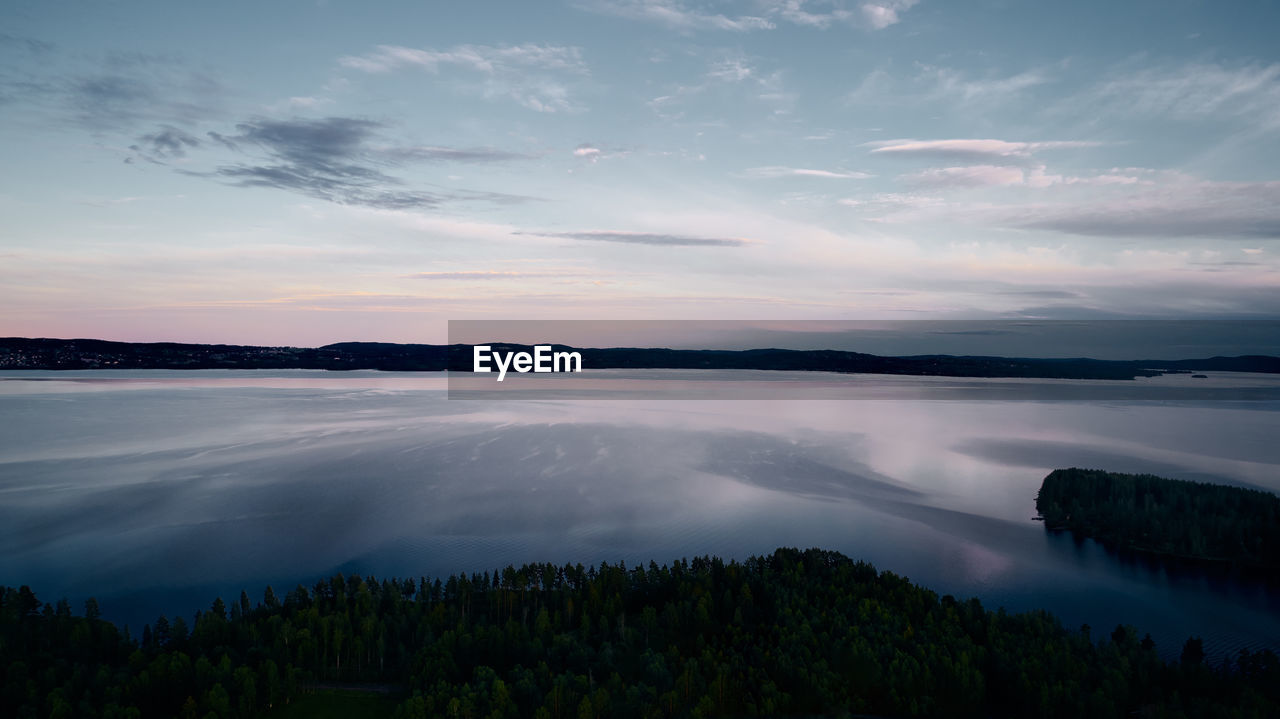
{"points": [[772, 171], [821, 14], [319, 144], [223, 140], [795, 12], [736, 73], [481, 58], [125, 90], [497, 198], [592, 154], [1248, 210], [166, 143], [676, 15], [1196, 91], [967, 176], [299, 103], [685, 16], [337, 159], [518, 72], [105, 92], [28, 45], [644, 238], [435, 153], [884, 207], [1034, 176], [110, 100], [1217, 266], [972, 150], [479, 275], [1120, 203], [730, 70], [1197, 297], [883, 13], [946, 89], [359, 187], [1043, 294], [951, 83]]}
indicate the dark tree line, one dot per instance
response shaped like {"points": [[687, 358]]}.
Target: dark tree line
{"points": [[790, 633], [1167, 517], [44, 353]]}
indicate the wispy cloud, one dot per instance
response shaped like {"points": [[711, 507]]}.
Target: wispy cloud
{"points": [[734, 69], [686, 16], [587, 150], [798, 12], [774, 171], [881, 206], [873, 14], [481, 58], [1196, 91], [122, 100], [338, 159], [592, 153], [29, 45], [168, 142], [948, 87], [1035, 176], [729, 73], [436, 153], [880, 14], [1121, 203], [114, 95], [677, 15], [485, 275], [1193, 209], [524, 73], [644, 238], [951, 83], [313, 143], [299, 103], [973, 150], [967, 176], [124, 90], [110, 96], [351, 185]]}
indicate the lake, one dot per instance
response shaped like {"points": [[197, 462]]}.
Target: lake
{"points": [[156, 490]]}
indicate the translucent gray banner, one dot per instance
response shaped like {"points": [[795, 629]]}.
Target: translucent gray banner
{"points": [[1101, 360]]}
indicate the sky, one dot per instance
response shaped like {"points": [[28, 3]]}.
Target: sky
{"points": [[311, 172]]}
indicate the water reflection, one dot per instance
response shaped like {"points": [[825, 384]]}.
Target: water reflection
{"points": [[155, 489]]}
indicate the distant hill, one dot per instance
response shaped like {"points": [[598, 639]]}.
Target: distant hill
{"points": [[79, 354]]}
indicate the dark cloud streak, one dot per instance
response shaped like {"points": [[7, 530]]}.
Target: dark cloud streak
{"points": [[453, 154], [167, 142], [644, 238], [310, 143], [27, 44], [1220, 209], [335, 159], [108, 101]]}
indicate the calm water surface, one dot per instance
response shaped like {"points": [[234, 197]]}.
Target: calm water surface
{"points": [[154, 490]]}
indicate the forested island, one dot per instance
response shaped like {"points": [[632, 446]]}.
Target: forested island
{"points": [[60, 354], [1169, 518], [794, 632]]}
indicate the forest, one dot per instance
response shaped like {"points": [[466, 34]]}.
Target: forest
{"points": [[792, 633], [1171, 518]]}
